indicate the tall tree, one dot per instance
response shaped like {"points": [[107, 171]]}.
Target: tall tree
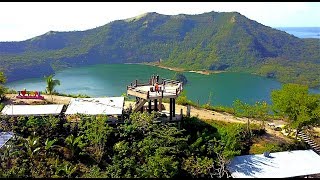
{"points": [[261, 111], [2, 81], [295, 102], [51, 84], [245, 110]]}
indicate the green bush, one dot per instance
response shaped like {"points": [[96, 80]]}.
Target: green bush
{"points": [[1, 106], [10, 91], [73, 95], [183, 100]]}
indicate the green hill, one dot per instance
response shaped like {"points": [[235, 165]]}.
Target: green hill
{"points": [[211, 41]]}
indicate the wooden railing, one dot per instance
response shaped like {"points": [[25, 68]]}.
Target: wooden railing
{"points": [[170, 81], [133, 86]]}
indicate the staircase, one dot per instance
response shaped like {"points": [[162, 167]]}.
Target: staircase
{"points": [[139, 105], [309, 141]]}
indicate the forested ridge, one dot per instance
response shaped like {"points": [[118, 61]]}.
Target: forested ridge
{"points": [[210, 41]]}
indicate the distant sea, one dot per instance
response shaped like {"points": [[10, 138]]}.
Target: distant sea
{"points": [[302, 32]]}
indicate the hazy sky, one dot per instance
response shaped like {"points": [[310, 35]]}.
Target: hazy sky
{"points": [[21, 21]]}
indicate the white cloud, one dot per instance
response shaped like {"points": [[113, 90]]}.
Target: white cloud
{"points": [[20, 20]]}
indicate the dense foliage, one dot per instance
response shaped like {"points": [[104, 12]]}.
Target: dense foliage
{"points": [[210, 41], [2, 88], [55, 147], [90, 147], [295, 102]]}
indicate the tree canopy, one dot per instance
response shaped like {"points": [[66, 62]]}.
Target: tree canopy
{"points": [[2, 81], [53, 147], [51, 84], [295, 102]]}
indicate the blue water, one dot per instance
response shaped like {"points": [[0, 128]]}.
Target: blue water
{"points": [[302, 32]]}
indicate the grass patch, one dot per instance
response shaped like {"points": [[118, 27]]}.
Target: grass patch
{"points": [[73, 95], [262, 144], [10, 91], [227, 109]]}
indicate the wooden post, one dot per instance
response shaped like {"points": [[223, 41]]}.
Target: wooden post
{"points": [[170, 109], [188, 110], [148, 95], [149, 106], [155, 104], [160, 104], [174, 107]]}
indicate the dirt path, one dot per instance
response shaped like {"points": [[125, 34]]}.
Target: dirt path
{"points": [[209, 116], [205, 114]]}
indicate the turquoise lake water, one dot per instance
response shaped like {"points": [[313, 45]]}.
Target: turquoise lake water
{"points": [[112, 79]]}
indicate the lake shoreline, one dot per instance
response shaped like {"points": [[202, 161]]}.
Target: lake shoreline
{"points": [[204, 72]]}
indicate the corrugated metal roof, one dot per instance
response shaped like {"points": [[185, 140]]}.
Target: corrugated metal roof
{"points": [[94, 106], [4, 137], [278, 165], [16, 110]]}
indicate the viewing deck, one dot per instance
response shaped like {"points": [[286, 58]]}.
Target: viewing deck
{"points": [[153, 92], [167, 89]]}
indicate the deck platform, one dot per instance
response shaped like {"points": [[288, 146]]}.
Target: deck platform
{"points": [[147, 92], [167, 89]]}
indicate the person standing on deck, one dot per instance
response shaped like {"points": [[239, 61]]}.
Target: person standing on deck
{"points": [[157, 87]]}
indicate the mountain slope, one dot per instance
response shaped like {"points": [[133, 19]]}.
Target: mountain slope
{"points": [[214, 41]]}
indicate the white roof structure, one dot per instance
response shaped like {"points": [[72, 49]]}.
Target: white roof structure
{"points": [[32, 110], [277, 165], [4, 137], [94, 106]]}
